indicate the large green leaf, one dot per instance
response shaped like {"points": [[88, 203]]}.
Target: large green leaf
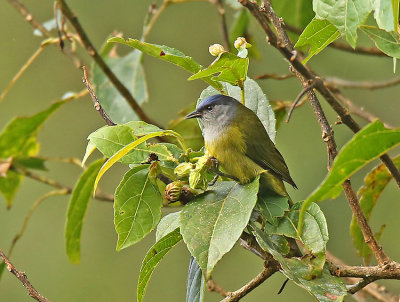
{"points": [[130, 72], [195, 282], [167, 54], [168, 224], [255, 99], [388, 42], [385, 14], [346, 15], [317, 35], [137, 207], [110, 139], [214, 221], [18, 139], [188, 128], [294, 12], [324, 288], [366, 145], [77, 207], [374, 183], [231, 68], [153, 257]]}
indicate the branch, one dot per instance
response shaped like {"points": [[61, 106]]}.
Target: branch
{"points": [[298, 98], [266, 14], [274, 76], [270, 267], [24, 279], [95, 100], [214, 287], [345, 47], [70, 15], [55, 184], [225, 32], [331, 82]]}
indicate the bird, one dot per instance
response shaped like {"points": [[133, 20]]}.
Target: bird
{"points": [[236, 138]]}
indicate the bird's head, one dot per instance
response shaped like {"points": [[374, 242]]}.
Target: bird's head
{"points": [[216, 110]]}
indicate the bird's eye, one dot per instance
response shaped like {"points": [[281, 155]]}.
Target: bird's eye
{"points": [[209, 108]]}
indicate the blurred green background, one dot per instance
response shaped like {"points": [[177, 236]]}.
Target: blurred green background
{"points": [[107, 275]]}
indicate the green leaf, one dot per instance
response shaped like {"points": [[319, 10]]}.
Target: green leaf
{"points": [[18, 139], [167, 54], [130, 72], [89, 150], [396, 6], [324, 288], [77, 207], [195, 282], [346, 15], [168, 224], [255, 99], [188, 128], [214, 221], [388, 42], [297, 13], [355, 154], [110, 139], [317, 35], [384, 14], [374, 183], [272, 206], [230, 67], [35, 163], [125, 150], [141, 128], [137, 207], [153, 257]]}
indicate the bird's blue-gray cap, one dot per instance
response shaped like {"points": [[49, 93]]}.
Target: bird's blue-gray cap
{"points": [[208, 103]]}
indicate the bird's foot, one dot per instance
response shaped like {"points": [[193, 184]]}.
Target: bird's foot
{"points": [[215, 169]]}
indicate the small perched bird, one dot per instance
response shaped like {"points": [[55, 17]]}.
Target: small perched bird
{"points": [[234, 135]]}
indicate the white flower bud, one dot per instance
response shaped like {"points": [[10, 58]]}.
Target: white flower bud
{"points": [[216, 49], [241, 43]]}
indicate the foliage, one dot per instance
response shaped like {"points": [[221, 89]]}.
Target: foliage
{"points": [[170, 167]]}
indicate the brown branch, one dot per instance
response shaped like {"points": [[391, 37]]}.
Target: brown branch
{"points": [[225, 32], [70, 15], [333, 82], [388, 271], [28, 17], [95, 100], [373, 51], [214, 287], [55, 184], [359, 111], [274, 76], [266, 14], [270, 267], [297, 99], [153, 16], [24, 279]]}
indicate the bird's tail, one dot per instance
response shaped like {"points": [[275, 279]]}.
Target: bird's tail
{"points": [[272, 185]]}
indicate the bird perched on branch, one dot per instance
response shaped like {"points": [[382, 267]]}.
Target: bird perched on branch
{"points": [[234, 135]]}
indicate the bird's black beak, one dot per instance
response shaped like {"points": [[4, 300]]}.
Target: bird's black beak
{"points": [[194, 114]]}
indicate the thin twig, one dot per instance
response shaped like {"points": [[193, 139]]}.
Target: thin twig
{"points": [[155, 13], [266, 14], [372, 51], [24, 280], [331, 82], [270, 267], [95, 100], [22, 70], [70, 15], [224, 26], [29, 215], [360, 111], [214, 287], [55, 184], [297, 99], [352, 289], [274, 76], [28, 17]]}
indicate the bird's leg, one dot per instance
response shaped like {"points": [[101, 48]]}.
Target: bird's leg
{"points": [[215, 169]]}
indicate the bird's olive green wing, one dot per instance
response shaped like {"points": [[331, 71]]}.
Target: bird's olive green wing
{"points": [[262, 150]]}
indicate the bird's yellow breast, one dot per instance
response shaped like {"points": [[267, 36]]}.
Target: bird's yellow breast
{"points": [[229, 149]]}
